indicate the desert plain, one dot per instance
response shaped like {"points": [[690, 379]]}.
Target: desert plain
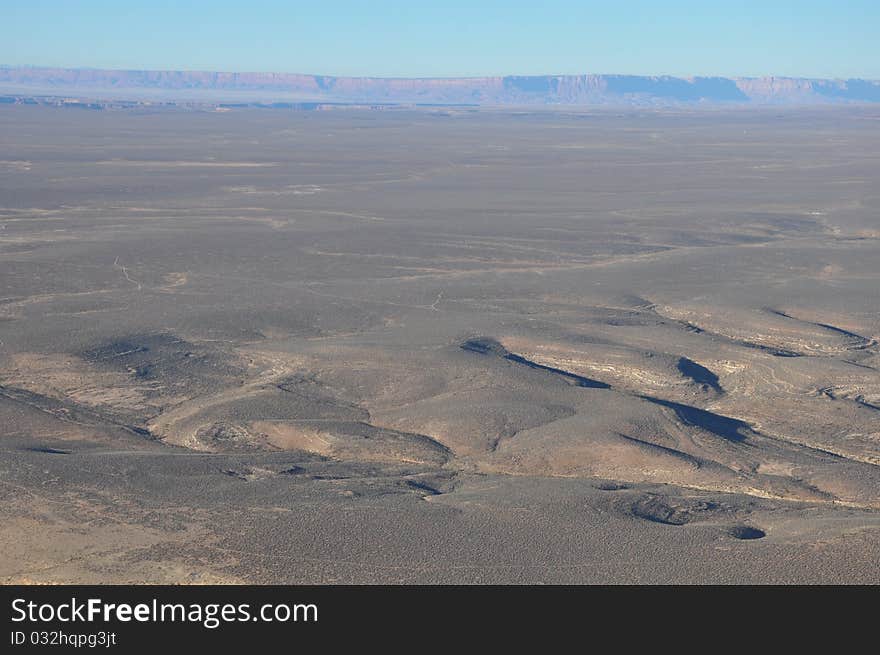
{"points": [[440, 345]]}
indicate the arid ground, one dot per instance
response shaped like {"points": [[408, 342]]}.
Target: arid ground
{"points": [[439, 346]]}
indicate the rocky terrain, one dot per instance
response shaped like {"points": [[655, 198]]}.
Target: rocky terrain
{"points": [[447, 345], [588, 89]]}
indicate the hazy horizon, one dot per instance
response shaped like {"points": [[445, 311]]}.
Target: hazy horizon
{"points": [[602, 73], [683, 38]]}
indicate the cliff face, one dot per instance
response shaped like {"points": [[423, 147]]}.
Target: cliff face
{"points": [[510, 90]]}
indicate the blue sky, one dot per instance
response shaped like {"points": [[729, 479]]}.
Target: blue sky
{"points": [[419, 38]]}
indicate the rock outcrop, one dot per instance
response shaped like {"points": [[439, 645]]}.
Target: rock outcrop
{"points": [[509, 90]]}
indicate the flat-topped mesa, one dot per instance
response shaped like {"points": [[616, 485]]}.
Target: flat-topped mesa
{"points": [[585, 89]]}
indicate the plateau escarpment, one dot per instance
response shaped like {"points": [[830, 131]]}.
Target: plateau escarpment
{"points": [[587, 89]]}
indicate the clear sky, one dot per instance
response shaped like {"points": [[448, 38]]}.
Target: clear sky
{"points": [[809, 38]]}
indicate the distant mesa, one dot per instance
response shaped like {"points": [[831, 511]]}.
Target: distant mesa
{"points": [[298, 91]]}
